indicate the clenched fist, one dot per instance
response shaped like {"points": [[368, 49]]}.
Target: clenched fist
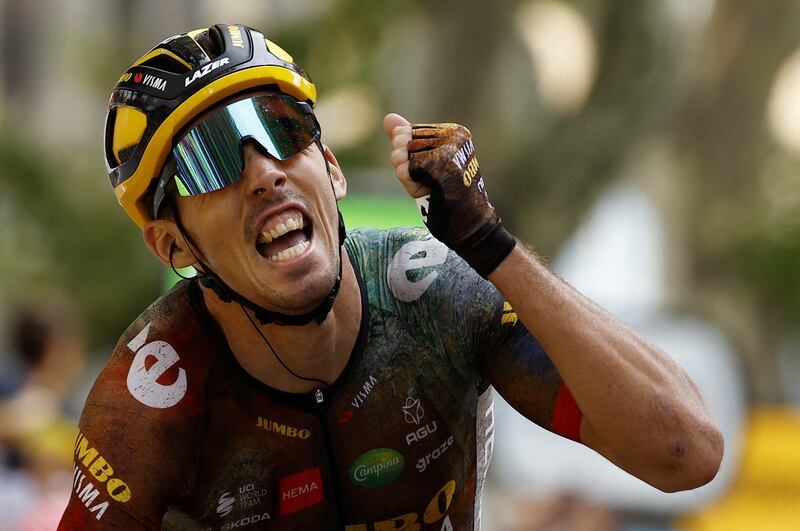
{"points": [[436, 164]]}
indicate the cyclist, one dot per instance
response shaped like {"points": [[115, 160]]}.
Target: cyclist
{"points": [[310, 378]]}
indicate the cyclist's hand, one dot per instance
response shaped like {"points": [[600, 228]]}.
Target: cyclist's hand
{"points": [[399, 131], [436, 164]]}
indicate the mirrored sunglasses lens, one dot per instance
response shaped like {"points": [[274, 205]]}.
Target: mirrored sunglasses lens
{"points": [[208, 157]]}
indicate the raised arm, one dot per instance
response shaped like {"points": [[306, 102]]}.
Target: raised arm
{"points": [[640, 410]]}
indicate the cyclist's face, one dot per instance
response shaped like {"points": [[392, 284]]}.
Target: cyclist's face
{"points": [[273, 235]]}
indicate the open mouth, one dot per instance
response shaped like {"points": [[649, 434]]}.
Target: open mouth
{"points": [[285, 236]]}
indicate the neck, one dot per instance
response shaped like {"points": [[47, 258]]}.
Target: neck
{"points": [[315, 350]]}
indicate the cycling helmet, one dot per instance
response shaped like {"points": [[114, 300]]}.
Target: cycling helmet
{"points": [[172, 84]]}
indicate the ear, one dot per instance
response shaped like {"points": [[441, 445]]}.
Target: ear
{"points": [[337, 177], [161, 236]]}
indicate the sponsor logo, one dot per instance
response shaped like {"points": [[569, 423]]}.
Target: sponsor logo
{"points": [[488, 437], [424, 206], [248, 496], [125, 77], [276, 427], [482, 188], [420, 433], [463, 154], [236, 36], [484, 444], [413, 413], [413, 410], [87, 493], [300, 491], [151, 81], [410, 258], [471, 171], [246, 521], [422, 464], [362, 395], [100, 471], [466, 162], [346, 416], [207, 69], [435, 511], [149, 365], [509, 315], [225, 504], [377, 468]]}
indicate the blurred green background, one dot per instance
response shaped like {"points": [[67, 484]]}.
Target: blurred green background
{"points": [[694, 104]]}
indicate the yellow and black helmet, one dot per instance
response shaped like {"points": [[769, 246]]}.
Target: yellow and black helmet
{"points": [[173, 83]]}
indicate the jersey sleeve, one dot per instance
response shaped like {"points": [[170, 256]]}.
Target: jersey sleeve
{"points": [[510, 358], [482, 337], [130, 460]]}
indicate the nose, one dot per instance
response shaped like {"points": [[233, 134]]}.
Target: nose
{"points": [[262, 173]]}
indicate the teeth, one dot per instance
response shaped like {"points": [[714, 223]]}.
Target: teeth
{"points": [[290, 252], [282, 228]]}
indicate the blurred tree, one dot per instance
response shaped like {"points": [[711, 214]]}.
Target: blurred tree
{"points": [[85, 249], [735, 270], [64, 231]]}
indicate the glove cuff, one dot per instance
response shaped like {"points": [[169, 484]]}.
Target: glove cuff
{"points": [[485, 252]]}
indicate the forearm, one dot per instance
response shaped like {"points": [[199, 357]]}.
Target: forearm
{"points": [[640, 409]]}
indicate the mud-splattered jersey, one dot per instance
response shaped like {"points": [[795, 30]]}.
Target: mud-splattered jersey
{"points": [[175, 429]]}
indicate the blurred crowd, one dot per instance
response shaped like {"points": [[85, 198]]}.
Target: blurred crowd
{"points": [[39, 405]]}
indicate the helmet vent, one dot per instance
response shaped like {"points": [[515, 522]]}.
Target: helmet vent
{"points": [[125, 153], [166, 63], [211, 42]]}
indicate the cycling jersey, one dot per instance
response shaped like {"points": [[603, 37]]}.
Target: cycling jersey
{"points": [[176, 433]]}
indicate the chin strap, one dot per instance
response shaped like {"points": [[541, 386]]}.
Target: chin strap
{"points": [[210, 279]]}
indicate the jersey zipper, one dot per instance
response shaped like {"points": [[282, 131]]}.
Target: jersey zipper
{"points": [[322, 411]]}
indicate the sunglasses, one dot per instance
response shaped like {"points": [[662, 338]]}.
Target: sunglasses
{"points": [[209, 156]]}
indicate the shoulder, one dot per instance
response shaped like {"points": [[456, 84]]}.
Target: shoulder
{"points": [[150, 371], [412, 265], [365, 239], [380, 249], [139, 418]]}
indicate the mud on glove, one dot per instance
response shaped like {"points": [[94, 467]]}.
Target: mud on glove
{"points": [[457, 211]]}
